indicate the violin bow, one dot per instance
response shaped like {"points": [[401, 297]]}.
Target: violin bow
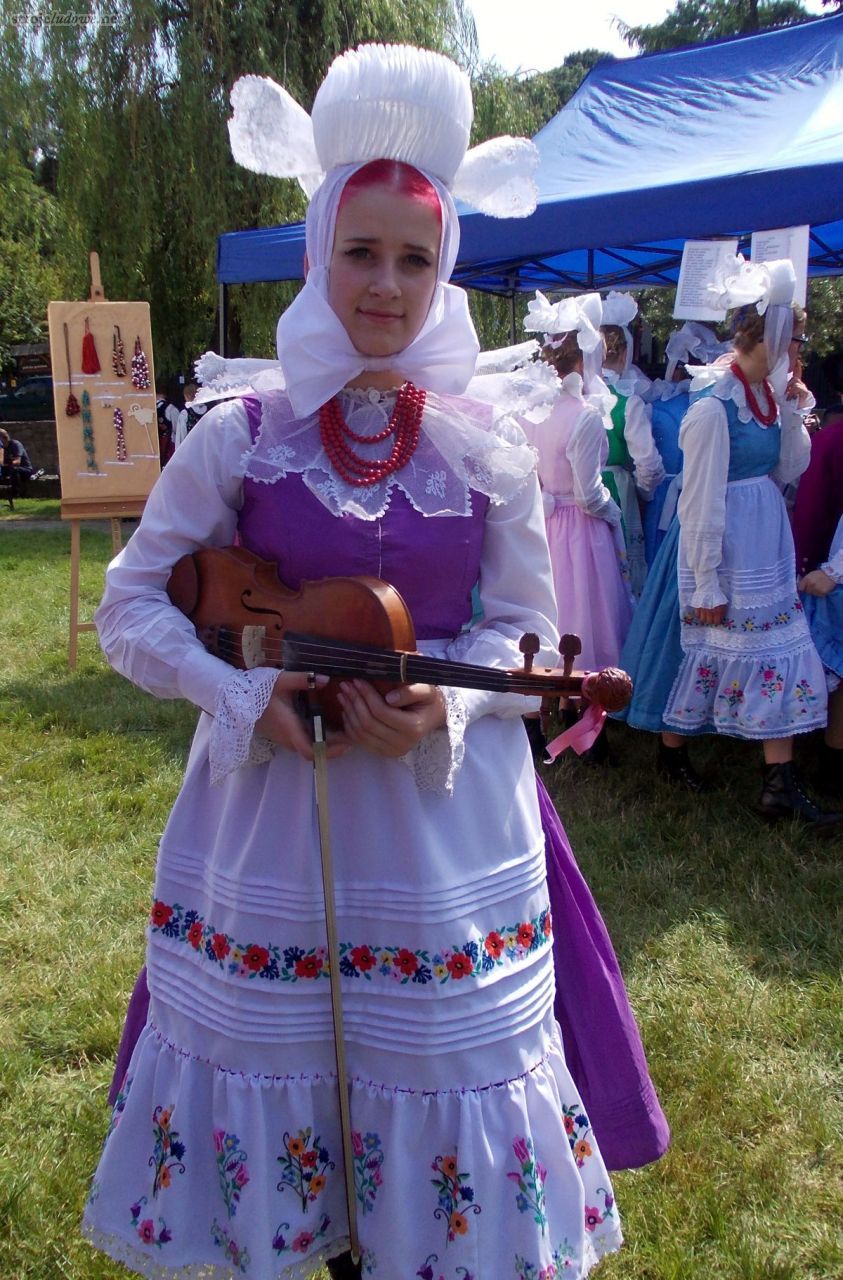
{"points": [[320, 778]]}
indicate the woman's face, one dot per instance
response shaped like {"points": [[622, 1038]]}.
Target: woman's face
{"points": [[383, 269]]}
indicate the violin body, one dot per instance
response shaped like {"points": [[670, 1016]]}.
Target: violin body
{"points": [[345, 628], [241, 611]]}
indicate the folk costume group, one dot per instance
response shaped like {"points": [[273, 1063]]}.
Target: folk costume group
{"points": [[494, 1070]]}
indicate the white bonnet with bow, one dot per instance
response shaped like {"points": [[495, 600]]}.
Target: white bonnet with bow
{"points": [[621, 309], [393, 102], [582, 315], [770, 286]]}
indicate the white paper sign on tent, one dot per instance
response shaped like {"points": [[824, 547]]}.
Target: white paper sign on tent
{"points": [[701, 260], [787, 242]]}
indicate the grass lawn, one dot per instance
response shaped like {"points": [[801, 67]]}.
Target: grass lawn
{"points": [[729, 934]]}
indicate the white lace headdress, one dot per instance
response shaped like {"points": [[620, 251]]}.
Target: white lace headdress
{"points": [[582, 315], [621, 309], [391, 102], [770, 286], [693, 343]]}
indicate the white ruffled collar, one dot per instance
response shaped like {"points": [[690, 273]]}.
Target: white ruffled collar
{"points": [[632, 382], [725, 386], [462, 448], [659, 389]]}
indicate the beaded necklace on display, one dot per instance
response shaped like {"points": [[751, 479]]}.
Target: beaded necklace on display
{"points": [[404, 426], [766, 419]]}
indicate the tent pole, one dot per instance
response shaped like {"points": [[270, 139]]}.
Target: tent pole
{"points": [[591, 268], [223, 319], [512, 336]]}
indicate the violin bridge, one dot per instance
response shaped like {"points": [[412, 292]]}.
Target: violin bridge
{"points": [[252, 646]]}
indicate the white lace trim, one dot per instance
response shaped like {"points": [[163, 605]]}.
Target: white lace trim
{"points": [[241, 702], [435, 760], [462, 448], [726, 386], [834, 569], [142, 1264], [632, 382]]}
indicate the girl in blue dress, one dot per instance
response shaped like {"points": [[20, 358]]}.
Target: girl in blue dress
{"points": [[720, 643]]}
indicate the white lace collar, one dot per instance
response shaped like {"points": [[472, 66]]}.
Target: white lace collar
{"points": [[725, 386], [632, 382], [462, 448]]}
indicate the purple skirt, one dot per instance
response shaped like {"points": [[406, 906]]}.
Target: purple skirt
{"points": [[603, 1047]]}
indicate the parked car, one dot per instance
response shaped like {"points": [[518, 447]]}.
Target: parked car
{"points": [[32, 399]]}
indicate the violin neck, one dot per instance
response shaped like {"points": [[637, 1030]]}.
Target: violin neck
{"points": [[366, 662]]}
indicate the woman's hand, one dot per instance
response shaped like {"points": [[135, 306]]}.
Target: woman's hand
{"points": [[816, 583], [282, 724], [711, 617], [393, 725]]}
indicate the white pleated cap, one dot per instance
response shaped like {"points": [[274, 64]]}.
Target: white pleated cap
{"points": [[409, 104]]}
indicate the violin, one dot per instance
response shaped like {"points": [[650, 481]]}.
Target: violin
{"points": [[356, 627]]}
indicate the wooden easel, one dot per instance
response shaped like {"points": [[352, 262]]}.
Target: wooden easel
{"points": [[76, 512], [76, 508]]}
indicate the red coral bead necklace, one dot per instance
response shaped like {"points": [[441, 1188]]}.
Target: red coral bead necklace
{"points": [[404, 426], [766, 419]]}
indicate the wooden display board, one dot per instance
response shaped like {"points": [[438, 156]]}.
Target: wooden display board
{"points": [[97, 467], [107, 466]]}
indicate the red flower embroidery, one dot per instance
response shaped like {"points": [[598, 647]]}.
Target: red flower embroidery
{"points": [[407, 962], [160, 914], [460, 965], [548, 925], [308, 967], [308, 1159], [569, 1123], [256, 958], [494, 944], [526, 933], [219, 946], [194, 934], [363, 958]]}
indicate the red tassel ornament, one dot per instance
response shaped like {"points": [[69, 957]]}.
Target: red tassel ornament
{"points": [[90, 359]]}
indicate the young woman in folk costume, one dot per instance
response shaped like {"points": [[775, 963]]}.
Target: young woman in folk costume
{"points": [[587, 555], [472, 1154], [668, 400], [634, 469], [719, 643]]}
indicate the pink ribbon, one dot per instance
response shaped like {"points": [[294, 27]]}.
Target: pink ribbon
{"points": [[580, 736]]}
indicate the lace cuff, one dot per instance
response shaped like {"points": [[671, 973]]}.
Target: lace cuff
{"points": [[241, 702], [708, 594], [834, 569], [435, 760]]}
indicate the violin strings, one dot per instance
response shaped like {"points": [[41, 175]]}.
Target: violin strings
{"points": [[347, 660]]}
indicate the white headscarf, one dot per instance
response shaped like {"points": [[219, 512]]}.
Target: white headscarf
{"points": [[314, 350]]}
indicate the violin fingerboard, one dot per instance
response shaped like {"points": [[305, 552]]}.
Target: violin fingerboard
{"points": [[252, 645]]}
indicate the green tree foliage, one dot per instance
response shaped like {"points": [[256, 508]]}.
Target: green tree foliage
{"points": [[694, 20], [135, 129]]}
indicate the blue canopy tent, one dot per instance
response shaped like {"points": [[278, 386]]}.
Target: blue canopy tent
{"points": [[723, 138]]}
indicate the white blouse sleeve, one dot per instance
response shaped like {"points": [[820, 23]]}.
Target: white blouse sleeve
{"points": [[585, 454], [795, 447], [704, 439], [834, 567], [516, 593], [638, 434], [193, 504]]}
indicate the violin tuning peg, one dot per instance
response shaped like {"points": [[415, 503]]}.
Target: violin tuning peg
{"points": [[529, 646], [569, 647]]}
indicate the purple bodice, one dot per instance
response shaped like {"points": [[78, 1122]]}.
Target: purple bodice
{"points": [[286, 523]]}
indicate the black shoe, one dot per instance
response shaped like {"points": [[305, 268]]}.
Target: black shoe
{"points": [[783, 796], [342, 1268], [674, 764], [537, 740], [830, 772], [598, 753]]}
